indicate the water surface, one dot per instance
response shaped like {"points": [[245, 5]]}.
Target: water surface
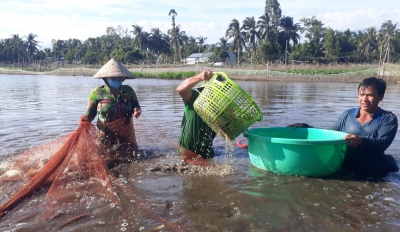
{"points": [[38, 109]]}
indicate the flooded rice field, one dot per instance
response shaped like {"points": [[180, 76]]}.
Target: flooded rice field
{"points": [[229, 195]]}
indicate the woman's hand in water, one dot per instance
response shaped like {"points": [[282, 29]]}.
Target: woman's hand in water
{"points": [[137, 113]]}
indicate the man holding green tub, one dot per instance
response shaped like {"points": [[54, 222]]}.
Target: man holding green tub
{"points": [[196, 137], [370, 130]]}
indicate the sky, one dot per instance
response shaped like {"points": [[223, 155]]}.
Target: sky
{"points": [[81, 19]]}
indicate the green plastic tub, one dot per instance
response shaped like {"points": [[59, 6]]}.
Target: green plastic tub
{"points": [[296, 151]]}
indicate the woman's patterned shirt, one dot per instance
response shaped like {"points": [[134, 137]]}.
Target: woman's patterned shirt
{"points": [[108, 108]]}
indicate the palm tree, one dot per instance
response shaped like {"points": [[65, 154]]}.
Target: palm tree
{"points": [[6, 47], [201, 41], [223, 43], [238, 36], [17, 47], [173, 13], [176, 35], [140, 38], [264, 27], [176, 42], [387, 36], [367, 41], [59, 47], [192, 43], [289, 30], [158, 43], [389, 31], [219, 50], [252, 35], [31, 44]]}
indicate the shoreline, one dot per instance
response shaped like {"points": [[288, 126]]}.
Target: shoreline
{"points": [[234, 74]]}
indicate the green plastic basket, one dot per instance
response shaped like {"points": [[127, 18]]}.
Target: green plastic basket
{"points": [[226, 107]]}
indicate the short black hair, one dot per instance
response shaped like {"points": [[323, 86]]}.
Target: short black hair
{"points": [[377, 83]]}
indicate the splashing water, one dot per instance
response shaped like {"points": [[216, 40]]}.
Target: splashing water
{"points": [[174, 165], [229, 147]]}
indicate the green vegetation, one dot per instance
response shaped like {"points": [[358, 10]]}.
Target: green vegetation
{"points": [[271, 38], [164, 75], [313, 71]]}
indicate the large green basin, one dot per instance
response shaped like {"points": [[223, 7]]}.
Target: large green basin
{"points": [[296, 151]]}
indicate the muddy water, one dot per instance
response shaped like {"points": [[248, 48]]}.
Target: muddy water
{"points": [[235, 196]]}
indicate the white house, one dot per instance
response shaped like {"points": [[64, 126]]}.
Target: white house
{"points": [[196, 58]]}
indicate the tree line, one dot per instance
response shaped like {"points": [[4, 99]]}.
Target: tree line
{"points": [[272, 37]]}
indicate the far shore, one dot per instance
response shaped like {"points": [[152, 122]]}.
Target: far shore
{"points": [[234, 74]]}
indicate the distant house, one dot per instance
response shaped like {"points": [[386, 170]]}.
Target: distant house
{"points": [[231, 59], [197, 58]]}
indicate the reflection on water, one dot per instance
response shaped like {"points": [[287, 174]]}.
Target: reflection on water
{"points": [[37, 109]]}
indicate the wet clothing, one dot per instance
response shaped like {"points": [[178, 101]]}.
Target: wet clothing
{"points": [[196, 135], [109, 109], [115, 127], [369, 159]]}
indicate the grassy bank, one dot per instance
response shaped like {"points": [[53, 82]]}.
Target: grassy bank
{"points": [[332, 73], [164, 75]]}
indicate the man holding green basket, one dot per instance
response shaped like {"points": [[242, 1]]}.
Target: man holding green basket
{"points": [[196, 137]]}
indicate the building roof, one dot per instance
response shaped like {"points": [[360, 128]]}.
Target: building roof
{"points": [[199, 55]]}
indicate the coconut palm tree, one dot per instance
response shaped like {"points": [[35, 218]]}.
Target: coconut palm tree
{"points": [[59, 46], [367, 41], [176, 41], [140, 38], [17, 47], [289, 30], [200, 42], [191, 44], [158, 43], [252, 35], [31, 44], [238, 36], [173, 13], [387, 37], [264, 27], [223, 43]]}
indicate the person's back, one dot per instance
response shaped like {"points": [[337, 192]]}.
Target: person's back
{"points": [[196, 135]]}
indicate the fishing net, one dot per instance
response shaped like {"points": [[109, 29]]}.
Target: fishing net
{"points": [[75, 170]]}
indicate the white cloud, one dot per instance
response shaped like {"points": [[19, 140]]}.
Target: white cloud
{"points": [[358, 19]]}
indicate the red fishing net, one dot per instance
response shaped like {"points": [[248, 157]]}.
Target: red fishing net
{"points": [[75, 168]]}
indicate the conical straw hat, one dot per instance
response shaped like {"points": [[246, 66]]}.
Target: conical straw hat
{"points": [[112, 69]]}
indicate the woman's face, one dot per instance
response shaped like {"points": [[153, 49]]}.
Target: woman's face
{"points": [[368, 99]]}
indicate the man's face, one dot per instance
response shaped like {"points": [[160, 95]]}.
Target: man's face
{"points": [[368, 99]]}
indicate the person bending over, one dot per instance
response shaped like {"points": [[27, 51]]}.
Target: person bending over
{"points": [[196, 138]]}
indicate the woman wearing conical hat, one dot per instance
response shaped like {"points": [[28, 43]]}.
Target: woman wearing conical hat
{"points": [[114, 104]]}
